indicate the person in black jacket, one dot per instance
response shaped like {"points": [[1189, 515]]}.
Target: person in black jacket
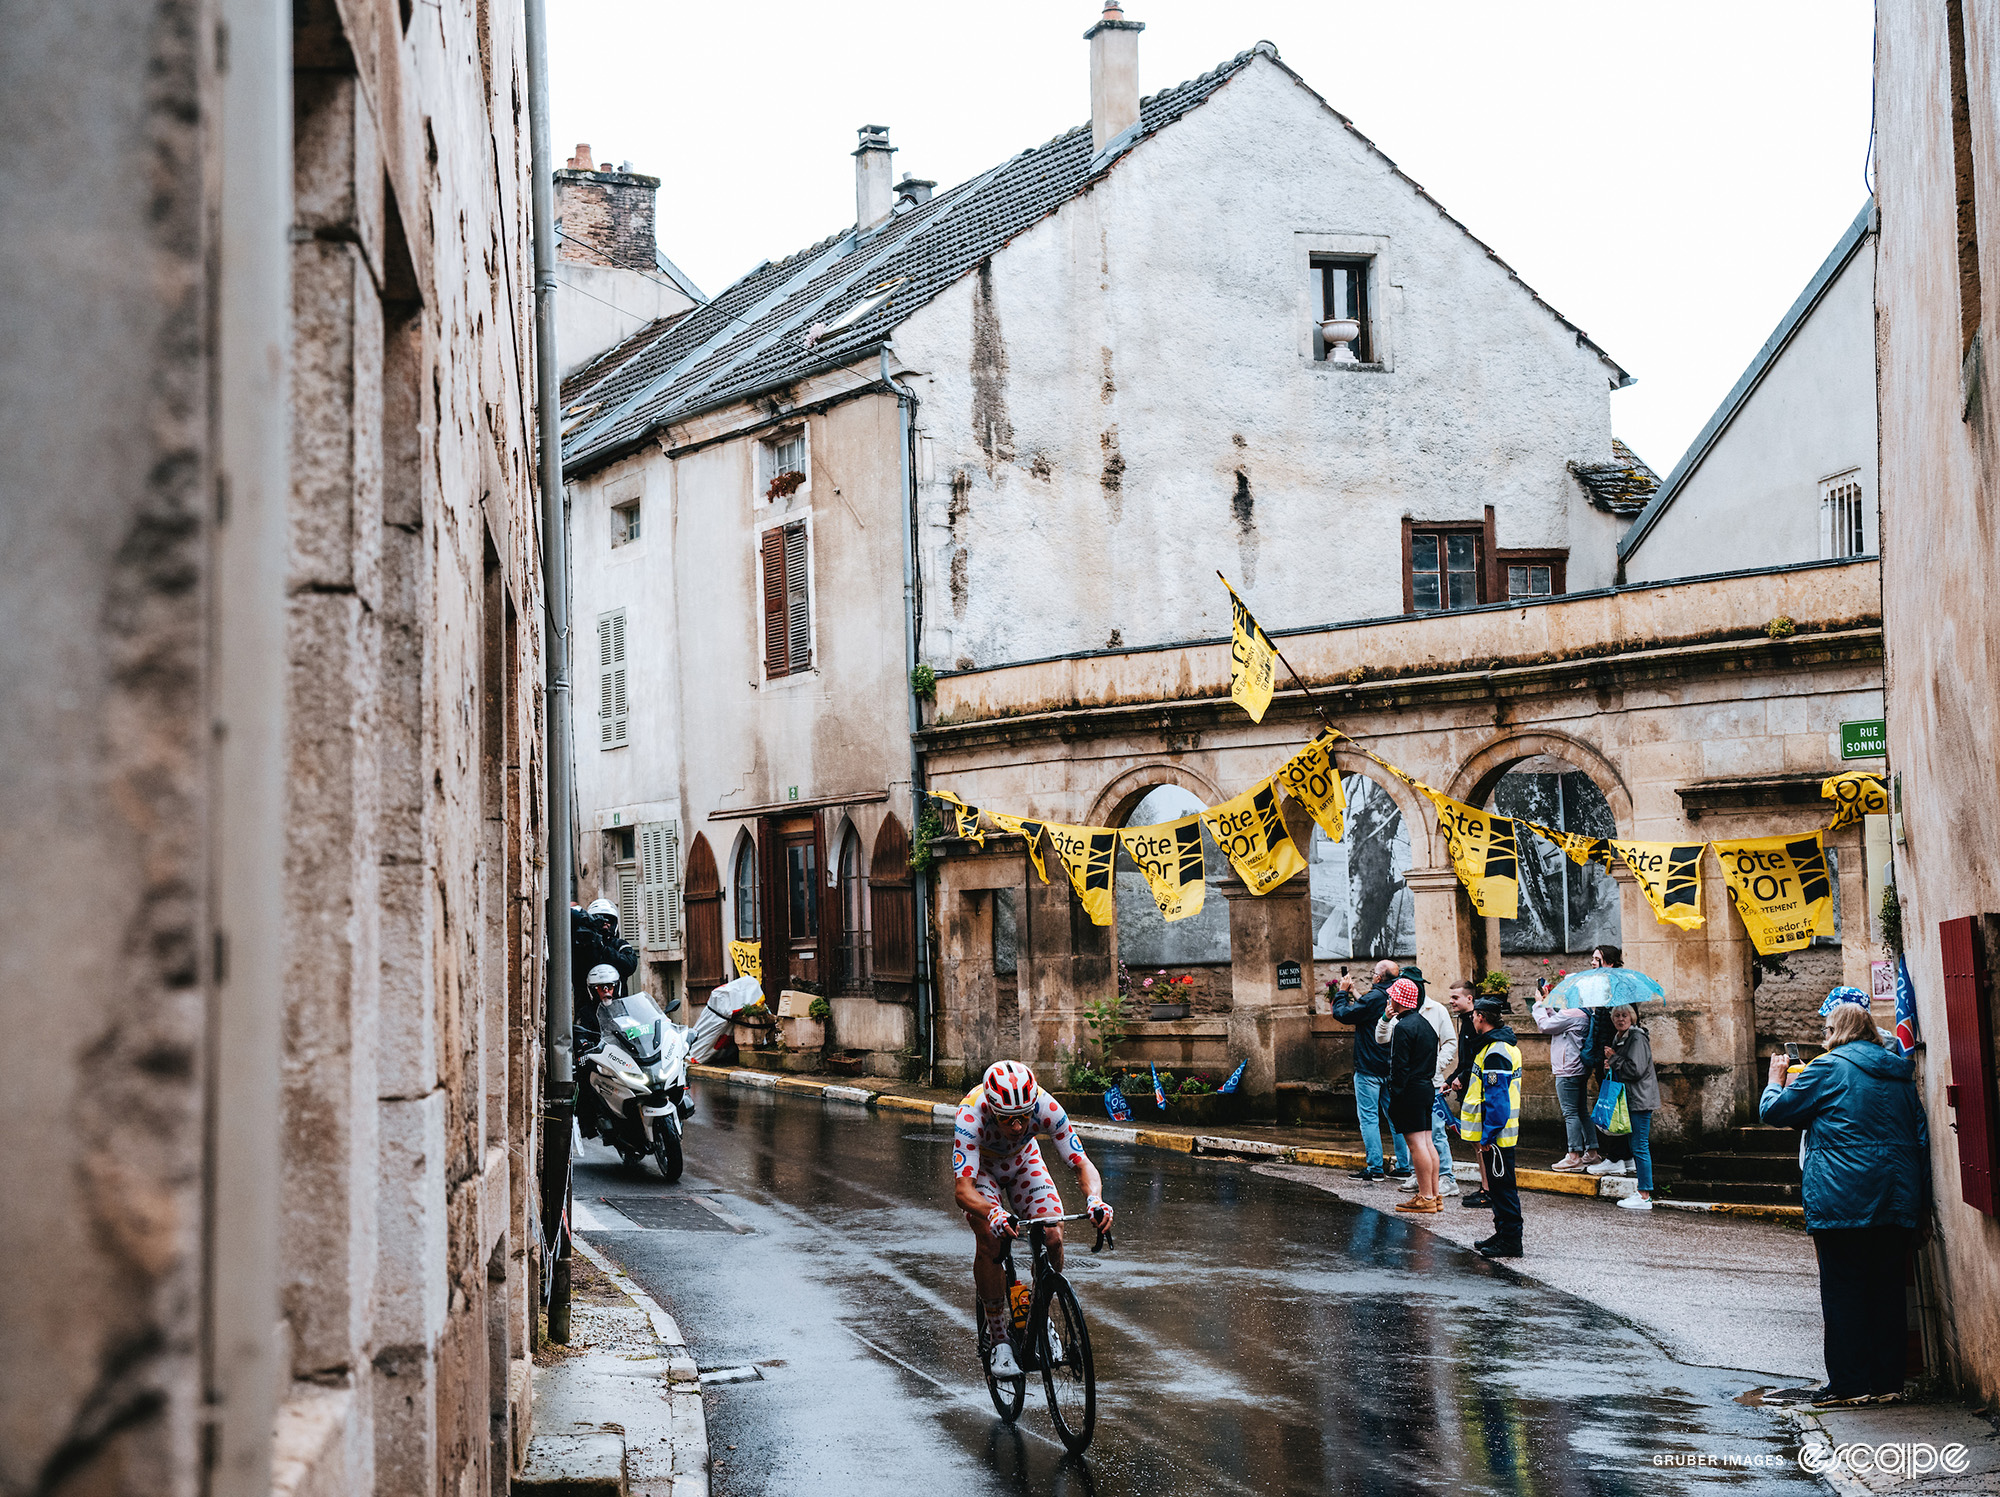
{"points": [[1413, 1058], [594, 942], [1371, 1068], [1464, 993]]}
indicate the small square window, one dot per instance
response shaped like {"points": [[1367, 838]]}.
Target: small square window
{"points": [[1529, 581], [1340, 290], [624, 523], [784, 466]]}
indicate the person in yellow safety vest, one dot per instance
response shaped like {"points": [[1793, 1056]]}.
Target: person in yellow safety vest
{"points": [[1491, 1116]]}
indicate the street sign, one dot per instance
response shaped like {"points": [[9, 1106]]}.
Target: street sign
{"points": [[1863, 740], [1290, 975]]}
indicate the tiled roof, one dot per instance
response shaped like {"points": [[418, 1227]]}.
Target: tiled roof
{"points": [[755, 335], [1621, 486]]}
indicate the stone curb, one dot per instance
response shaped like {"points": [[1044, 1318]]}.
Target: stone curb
{"points": [[1611, 1187], [690, 1457]]}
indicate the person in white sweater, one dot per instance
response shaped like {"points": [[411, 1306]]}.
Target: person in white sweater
{"points": [[1569, 1031]]}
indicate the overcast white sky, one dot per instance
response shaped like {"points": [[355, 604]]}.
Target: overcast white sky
{"points": [[1668, 175]]}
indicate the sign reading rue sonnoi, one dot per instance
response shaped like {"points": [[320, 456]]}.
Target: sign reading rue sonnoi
{"points": [[1863, 740]]}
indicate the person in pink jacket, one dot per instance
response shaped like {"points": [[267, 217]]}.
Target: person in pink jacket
{"points": [[1569, 1031]]}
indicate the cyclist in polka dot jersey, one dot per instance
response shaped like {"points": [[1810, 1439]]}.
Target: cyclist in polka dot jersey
{"points": [[998, 1172]]}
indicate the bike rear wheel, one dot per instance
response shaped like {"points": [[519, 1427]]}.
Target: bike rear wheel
{"points": [[1062, 1348], [1008, 1394]]}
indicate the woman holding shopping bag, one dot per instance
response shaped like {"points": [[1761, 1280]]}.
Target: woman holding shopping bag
{"points": [[1629, 1058]]}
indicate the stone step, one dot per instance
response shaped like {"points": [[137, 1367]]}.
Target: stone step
{"points": [[1739, 1192], [1771, 1169], [1759, 1140], [572, 1466]]}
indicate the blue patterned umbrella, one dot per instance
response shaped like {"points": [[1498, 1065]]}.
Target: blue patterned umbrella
{"points": [[1605, 987]]}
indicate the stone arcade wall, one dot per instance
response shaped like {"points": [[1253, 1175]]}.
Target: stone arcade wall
{"points": [[1690, 721]]}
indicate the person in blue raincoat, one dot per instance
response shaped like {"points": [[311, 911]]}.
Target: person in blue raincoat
{"points": [[1867, 1194]]}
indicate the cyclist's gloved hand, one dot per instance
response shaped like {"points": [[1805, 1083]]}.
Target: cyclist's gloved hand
{"points": [[1100, 1214], [1000, 1222]]}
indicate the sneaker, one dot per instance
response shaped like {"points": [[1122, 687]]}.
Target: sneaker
{"points": [[1590, 1157], [1416, 1205], [1886, 1398], [1635, 1203], [1826, 1398], [1400, 1172], [1476, 1200], [1568, 1162], [1494, 1249], [1605, 1167], [1371, 1175], [1409, 1184], [1448, 1186], [1000, 1362]]}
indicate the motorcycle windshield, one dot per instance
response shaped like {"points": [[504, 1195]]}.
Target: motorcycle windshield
{"points": [[637, 1022]]}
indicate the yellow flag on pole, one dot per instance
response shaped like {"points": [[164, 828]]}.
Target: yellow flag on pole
{"points": [[1087, 853], [966, 817], [1484, 853], [749, 959], [1253, 660], [1669, 874], [1310, 778], [1251, 832], [1170, 857], [1030, 831], [1781, 888], [1856, 794]]}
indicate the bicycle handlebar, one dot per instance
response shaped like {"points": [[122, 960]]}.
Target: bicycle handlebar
{"points": [[1104, 1238]]}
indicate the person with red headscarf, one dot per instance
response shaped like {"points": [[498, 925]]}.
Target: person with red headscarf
{"points": [[1413, 1049]]}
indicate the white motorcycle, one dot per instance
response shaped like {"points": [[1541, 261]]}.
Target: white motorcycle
{"points": [[635, 1095]]}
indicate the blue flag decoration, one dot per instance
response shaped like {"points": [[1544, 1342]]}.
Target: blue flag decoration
{"points": [[1116, 1105], [1906, 1007], [1159, 1092], [1234, 1077]]}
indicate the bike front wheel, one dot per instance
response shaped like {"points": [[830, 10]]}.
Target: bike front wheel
{"points": [[1008, 1393], [1063, 1350]]}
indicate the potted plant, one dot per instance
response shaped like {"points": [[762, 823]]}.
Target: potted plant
{"points": [[1167, 1004]]}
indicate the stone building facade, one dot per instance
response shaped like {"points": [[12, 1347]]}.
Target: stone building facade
{"points": [[273, 751], [1937, 297]]}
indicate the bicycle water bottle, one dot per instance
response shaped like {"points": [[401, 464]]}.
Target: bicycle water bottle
{"points": [[1021, 1298]]}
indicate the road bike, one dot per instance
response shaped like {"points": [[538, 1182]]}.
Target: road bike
{"points": [[1052, 1340]]}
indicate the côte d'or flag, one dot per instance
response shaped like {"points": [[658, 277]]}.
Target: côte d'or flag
{"points": [[1087, 853], [1856, 794], [1781, 888], [749, 959], [1170, 857], [1253, 661], [1310, 778], [1670, 875], [1030, 831], [1484, 853], [966, 817], [1251, 832]]}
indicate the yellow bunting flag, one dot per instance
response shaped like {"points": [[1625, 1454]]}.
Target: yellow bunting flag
{"points": [[1253, 661], [1030, 831], [1670, 875], [966, 817], [1857, 794], [1781, 888], [1582, 850], [1170, 857], [1310, 778], [1250, 830], [1087, 853], [1484, 854], [749, 959]]}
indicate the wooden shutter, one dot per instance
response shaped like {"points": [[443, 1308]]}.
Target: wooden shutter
{"points": [[798, 607], [659, 884], [1969, 1019], [703, 898], [629, 918], [893, 900], [670, 876], [777, 638], [611, 701]]}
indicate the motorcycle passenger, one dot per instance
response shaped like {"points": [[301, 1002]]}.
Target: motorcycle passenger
{"points": [[999, 1174], [600, 985], [594, 942]]}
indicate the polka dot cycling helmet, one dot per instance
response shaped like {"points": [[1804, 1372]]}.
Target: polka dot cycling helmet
{"points": [[1009, 1087]]}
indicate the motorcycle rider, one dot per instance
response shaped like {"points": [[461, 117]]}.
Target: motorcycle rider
{"points": [[594, 942]]}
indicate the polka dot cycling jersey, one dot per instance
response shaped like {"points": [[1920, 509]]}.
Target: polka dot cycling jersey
{"points": [[978, 1144]]}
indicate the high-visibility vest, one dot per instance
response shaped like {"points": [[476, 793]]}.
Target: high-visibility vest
{"points": [[1502, 1060]]}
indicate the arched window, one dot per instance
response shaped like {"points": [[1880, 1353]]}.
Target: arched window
{"points": [[1565, 910], [702, 898], [749, 907], [853, 915], [1146, 940]]}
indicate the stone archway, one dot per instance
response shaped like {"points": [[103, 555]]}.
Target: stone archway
{"points": [[1477, 776], [1126, 789]]}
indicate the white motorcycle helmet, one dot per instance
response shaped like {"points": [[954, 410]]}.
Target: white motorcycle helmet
{"points": [[602, 907], [601, 975]]}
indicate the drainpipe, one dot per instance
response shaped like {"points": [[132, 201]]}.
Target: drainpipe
{"points": [[906, 405], [558, 728]]}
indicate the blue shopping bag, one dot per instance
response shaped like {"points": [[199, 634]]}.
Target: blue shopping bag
{"points": [[1607, 1103]]}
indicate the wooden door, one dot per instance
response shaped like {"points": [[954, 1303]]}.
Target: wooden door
{"points": [[703, 901], [799, 875]]}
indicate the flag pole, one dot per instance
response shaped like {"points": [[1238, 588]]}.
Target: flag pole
{"points": [[1321, 711]]}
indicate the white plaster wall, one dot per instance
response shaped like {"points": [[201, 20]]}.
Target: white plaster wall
{"points": [[1164, 317], [1755, 499], [600, 305]]}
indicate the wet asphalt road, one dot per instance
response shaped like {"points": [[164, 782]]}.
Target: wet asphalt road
{"points": [[1251, 1334]]}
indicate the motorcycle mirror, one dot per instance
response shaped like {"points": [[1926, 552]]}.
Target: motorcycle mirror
{"points": [[673, 1006]]}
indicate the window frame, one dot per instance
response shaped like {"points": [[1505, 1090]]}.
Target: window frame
{"points": [[746, 898], [1555, 559], [1836, 492], [768, 467], [1382, 290], [1363, 267], [622, 533], [1482, 561]]}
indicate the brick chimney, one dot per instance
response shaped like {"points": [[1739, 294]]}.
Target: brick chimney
{"points": [[874, 190], [1114, 75], [605, 216]]}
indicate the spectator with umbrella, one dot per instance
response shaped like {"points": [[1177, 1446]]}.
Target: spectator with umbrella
{"points": [[1630, 1059]]}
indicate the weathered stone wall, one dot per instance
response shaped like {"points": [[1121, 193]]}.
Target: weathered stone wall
{"points": [[606, 218], [1941, 570]]}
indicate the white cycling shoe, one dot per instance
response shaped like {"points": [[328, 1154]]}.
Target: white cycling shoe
{"points": [[1000, 1362]]}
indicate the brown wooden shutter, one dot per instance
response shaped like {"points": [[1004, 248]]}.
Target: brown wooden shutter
{"points": [[798, 607], [1972, 1091], [893, 904], [777, 655], [703, 899]]}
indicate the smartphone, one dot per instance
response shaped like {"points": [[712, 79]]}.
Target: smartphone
{"points": [[1792, 1053], [1343, 972]]}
